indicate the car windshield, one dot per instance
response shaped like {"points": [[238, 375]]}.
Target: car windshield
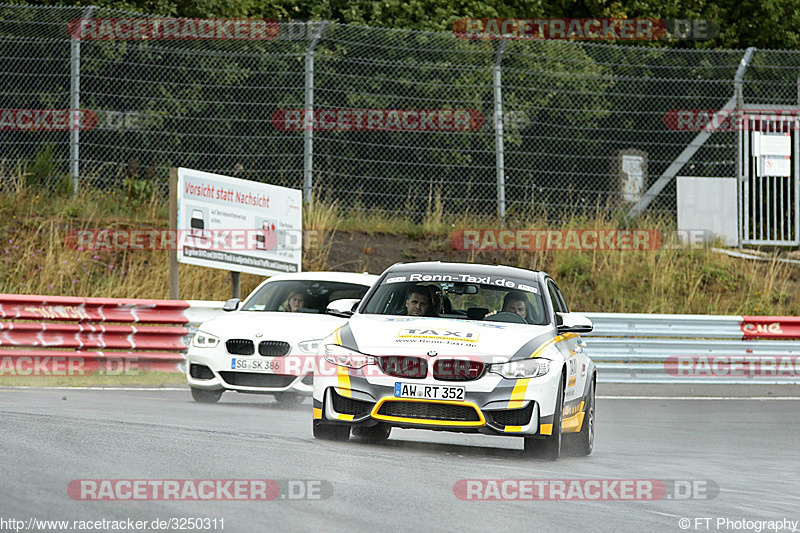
{"points": [[488, 298], [303, 296]]}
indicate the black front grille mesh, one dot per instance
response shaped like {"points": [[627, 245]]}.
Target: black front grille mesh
{"points": [[349, 406], [273, 348], [513, 417], [240, 346], [429, 411], [256, 379]]}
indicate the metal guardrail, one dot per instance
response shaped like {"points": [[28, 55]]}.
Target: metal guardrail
{"points": [[642, 348], [628, 348], [56, 335]]}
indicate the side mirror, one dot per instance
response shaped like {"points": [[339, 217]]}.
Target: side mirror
{"points": [[231, 305], [343, 308], [573, 323]]}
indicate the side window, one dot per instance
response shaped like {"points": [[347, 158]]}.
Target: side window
{"points": [[561, 298], [555, 297]]}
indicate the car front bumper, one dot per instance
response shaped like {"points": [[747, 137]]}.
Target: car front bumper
{"points": [[491, 404], [211, 369]]}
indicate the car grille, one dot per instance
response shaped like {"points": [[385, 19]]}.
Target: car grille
{"points": [[256, 379], [200, 371], [273, 348], [457, 370], [429, 411], [513, 417], [308, 380], [240, 346], [349, 406], [403, 366]]}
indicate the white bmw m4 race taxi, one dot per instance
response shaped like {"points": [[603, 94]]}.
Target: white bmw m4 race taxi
{"points": [[459, 347], [268, 346]]}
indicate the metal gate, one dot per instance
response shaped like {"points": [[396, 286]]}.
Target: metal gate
{"points": [[769, 184]]}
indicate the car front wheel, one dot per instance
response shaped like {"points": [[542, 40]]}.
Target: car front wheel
{"points": [[289, 399], [377, 433], [549, 448], [340, 432], [206, 396], [582, 443]]}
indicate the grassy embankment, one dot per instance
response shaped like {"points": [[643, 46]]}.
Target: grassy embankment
{"points": [[35, 260]]}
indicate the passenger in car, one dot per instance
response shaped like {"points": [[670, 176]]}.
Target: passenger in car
{"points": [[294, 302]]}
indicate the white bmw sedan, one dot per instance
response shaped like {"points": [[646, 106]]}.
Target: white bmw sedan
{"points": [[263, 346]]}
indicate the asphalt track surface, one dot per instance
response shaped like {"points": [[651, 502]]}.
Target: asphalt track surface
{"points": [[749, 447]]}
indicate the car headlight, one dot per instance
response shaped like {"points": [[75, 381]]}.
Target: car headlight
{"points": [[204, 340], [341, 356], [524, 368], [310, 346]]}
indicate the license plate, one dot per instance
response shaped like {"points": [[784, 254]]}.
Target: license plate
{"points": [[262, 365], [428, 392]]}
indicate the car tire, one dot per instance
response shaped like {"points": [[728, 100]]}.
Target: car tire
{"points": [[549, 448], [289, 399], [207, 396], [377, 433], [338, 432], [582, 443]]}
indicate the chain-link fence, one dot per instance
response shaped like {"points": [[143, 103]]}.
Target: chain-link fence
{"points": [[570, 112]]}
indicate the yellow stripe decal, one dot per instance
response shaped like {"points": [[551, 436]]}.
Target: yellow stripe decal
{"points": [[518, 394], [342, 372], [344, 381], [348, 418], [572, 424], [424, 421], [513, 429], [317, 413], [558, 338], [546, 429]]}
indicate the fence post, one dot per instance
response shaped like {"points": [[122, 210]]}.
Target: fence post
{"points": [[75, 101], [498, 131], [308, 122], [700, 139]]}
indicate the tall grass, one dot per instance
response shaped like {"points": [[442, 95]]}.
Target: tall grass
{"points": [[35, 260]]}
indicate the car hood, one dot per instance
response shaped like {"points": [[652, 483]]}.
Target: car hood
{"points": [[394, 335], [273, 325]]}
